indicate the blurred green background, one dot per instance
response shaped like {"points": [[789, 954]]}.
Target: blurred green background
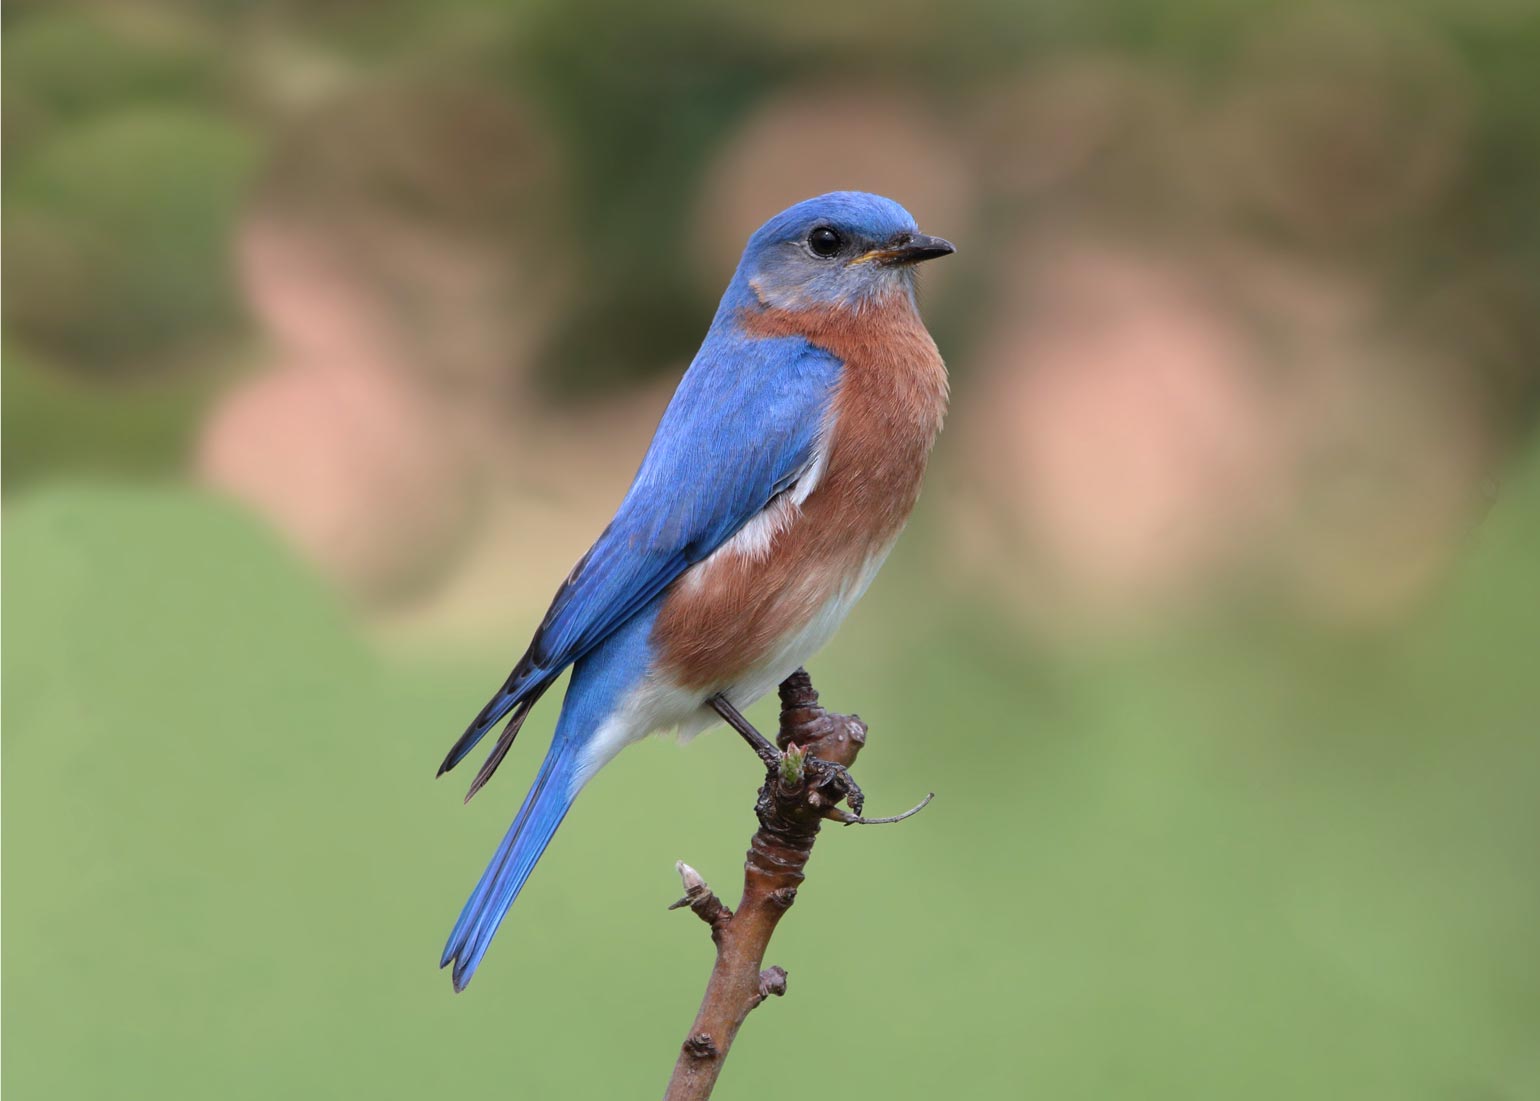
{"points": [[334, 332]]}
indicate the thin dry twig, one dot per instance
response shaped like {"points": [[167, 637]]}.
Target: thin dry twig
{"points": [[805, 780], [845, 818]]}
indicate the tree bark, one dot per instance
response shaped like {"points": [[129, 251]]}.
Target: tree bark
{"points": [[804, 782]]}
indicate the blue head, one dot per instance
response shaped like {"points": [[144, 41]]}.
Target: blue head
{"points": [[840, 249]]}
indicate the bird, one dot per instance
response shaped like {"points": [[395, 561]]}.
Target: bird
{"points": [[779, 477]]}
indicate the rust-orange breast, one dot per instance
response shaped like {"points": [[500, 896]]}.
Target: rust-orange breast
{"points": [[726, 614]]}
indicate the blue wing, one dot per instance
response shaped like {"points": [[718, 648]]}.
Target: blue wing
{"points": [[741, 428]]}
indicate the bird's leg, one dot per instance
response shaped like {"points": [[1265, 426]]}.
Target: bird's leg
{"points": [[757, 741]]}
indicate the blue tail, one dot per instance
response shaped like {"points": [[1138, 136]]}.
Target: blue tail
{"points": [[600, 681], [533, 827]]}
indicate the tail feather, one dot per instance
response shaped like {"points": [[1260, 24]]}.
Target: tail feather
{"points": [[500, 750], [544, 808], [520, 693]]}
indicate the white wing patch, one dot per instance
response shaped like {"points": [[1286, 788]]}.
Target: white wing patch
{"points": [[755, 538]]}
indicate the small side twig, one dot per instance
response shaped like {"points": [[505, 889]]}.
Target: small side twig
{"points": [[806, 777], [702, 900], [845, 818]]}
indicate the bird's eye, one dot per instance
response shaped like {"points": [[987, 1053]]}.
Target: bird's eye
{"points": [[824, 242]]}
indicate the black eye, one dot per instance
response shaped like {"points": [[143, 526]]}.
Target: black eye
{"points": [[824, 241]]}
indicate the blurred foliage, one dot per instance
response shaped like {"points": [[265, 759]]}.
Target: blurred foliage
{"points": [[56, 424], [133, 132], [120, 230]]}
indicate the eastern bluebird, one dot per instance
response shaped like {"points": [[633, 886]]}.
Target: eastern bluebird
{"points": [[778, 480]]}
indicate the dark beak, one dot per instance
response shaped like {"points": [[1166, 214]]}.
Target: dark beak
{"points": [[920, 247], [910, 248]]}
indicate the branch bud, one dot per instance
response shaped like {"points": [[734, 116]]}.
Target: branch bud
{"points": [[793, 762]]}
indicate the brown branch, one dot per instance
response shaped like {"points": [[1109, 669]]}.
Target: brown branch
{"points": [[804, 782]]}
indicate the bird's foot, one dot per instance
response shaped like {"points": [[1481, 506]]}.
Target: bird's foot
{"points": [[815, 747], [837, 784], [795, 764]]}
